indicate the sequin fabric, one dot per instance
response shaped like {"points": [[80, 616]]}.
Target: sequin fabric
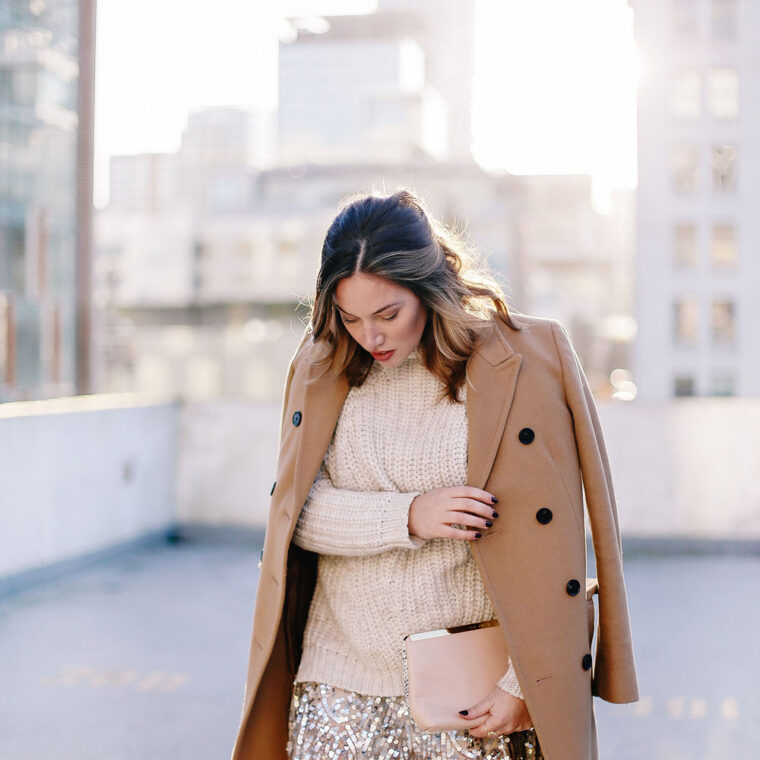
{"points": [[329, 723]]}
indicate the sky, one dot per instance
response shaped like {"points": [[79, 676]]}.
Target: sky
{"points": [[554, 88]]}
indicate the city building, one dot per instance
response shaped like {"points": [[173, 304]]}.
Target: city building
{"points": [[698, 228], [46, 156], [446, 34], [575, 263], [353, 89], [211, 305]]}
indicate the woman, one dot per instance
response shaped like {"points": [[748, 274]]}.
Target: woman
{"points": [[415, 405]]}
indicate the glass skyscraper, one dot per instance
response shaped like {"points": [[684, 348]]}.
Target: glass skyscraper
{"points": [[41, 196]]}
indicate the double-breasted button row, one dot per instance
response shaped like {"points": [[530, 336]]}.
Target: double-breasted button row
{"points": [[544, 517]]}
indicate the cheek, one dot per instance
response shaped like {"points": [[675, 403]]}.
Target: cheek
{"points": [[354, 332], [411, 325], [419, 320]]}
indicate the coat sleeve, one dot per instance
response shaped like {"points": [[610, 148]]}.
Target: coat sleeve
{"points": [[614, 676]]}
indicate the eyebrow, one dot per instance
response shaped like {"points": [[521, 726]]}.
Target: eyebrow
{"points": [[396, 303]]}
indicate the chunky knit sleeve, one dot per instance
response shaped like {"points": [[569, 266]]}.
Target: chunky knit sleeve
{"points": [[352, 523], [509, 683]]}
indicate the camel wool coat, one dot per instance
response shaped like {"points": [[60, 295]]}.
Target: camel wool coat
{"points": [[534, 440]]}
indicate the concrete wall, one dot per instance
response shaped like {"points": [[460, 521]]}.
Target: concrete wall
{"points": [[686, 468], [81, 474], [227, 462]]}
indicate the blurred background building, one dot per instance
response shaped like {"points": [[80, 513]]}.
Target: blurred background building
{"points": [[207, 256], [698, 230], [46, 146]]}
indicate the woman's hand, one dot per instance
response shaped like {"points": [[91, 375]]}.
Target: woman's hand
{"points": [[498, 713], [434, 514]]}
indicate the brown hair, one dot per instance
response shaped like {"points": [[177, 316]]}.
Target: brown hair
{"points": [[395, 237]]}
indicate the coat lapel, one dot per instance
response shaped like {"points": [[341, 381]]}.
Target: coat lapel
{"points": [[491, 378]]}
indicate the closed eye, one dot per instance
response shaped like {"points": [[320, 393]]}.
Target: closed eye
{"points": [[385, 319]]}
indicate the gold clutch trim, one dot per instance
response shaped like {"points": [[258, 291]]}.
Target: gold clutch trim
{"points": [[453, 629]]}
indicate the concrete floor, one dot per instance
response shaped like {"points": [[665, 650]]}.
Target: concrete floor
{"points": [[143, 657]]}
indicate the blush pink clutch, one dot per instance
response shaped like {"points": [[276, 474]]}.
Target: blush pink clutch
{"points": [[451, 669]]}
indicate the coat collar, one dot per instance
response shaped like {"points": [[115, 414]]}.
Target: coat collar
{"points": [[492, 371]]}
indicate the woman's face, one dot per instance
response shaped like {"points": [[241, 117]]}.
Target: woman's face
{"points": [[381, 316]]}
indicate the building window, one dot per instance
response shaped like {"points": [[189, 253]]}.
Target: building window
{"points": [[723, 320], [684, 167], [724, 245], [723, 382], [723, 19], [683, 385], [724, 168], [686, 95], [723, 92], [685, 245], [685, 320], [685, 19]]}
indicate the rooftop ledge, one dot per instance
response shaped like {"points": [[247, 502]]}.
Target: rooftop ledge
{"points": [[86, 403]]}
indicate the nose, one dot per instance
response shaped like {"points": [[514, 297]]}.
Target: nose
{"points": [[374, 340]]}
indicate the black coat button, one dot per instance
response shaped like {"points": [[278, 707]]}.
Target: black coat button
{"points": [[526, 435], [273, 485], [586, 662], [573, 587], [296, 418], [544, 515]]}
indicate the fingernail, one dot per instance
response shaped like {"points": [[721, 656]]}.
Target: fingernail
{"points": [[494, 500], [495, 514], [478, 535], [463, 712], [488, 523]]}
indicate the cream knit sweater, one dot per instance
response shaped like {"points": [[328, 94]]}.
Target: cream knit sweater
{"points": [[375, 582]]}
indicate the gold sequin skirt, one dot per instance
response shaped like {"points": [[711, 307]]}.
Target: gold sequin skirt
{"points": [[329, 723]]}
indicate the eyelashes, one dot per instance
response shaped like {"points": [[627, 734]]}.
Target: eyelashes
{"points": [[385, 319]]}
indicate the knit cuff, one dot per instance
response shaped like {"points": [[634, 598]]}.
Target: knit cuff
{"points": [[394, 524], [509, 683]]}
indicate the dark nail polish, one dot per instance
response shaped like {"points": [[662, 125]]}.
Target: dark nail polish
{"points": [[478, 535], [494, 500], [463, 712], [495, 514], [488, 523]]}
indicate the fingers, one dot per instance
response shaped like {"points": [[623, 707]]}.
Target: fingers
{"points": [[486, 725], [449, 531], [477, 711], [500, 713], [474, 494], [465, 518], [475, 507]]}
